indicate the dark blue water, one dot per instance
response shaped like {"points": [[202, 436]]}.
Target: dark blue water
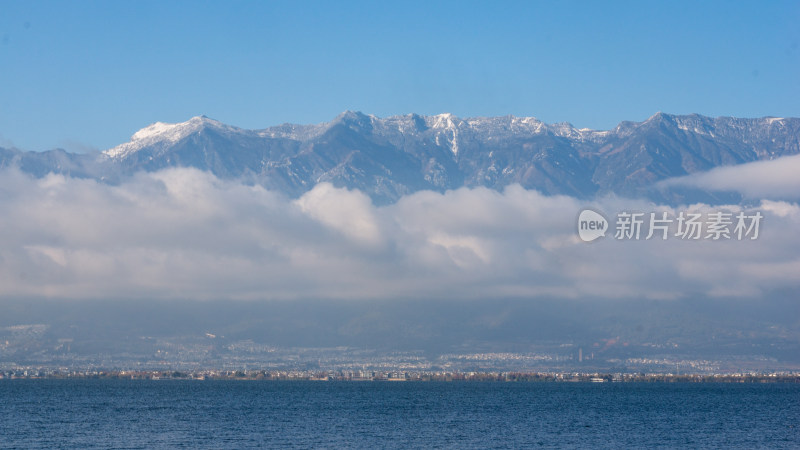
{"points": [[239, 414]]}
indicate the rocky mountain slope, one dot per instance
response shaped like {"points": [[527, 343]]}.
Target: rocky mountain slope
{"points": [[390, 157]]}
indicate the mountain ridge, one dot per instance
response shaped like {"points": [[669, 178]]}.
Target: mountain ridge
{"points": [[398, 155]]}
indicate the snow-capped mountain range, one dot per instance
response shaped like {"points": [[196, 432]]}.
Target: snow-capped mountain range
{"points": [[390, 157]]}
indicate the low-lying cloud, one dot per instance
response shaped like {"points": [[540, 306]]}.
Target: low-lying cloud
{"points": [[777, 178], [185, 234]]}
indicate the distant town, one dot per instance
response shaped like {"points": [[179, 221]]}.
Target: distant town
{"points": [[350, 375], [31, 351]]}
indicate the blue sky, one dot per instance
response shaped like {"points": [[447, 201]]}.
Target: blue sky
{"points": [[86, 75]]}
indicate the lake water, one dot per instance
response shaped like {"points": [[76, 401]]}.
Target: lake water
{"points": [[240, 414]]}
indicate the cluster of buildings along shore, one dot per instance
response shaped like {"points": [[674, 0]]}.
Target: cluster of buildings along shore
{"points": [[363, 375]]}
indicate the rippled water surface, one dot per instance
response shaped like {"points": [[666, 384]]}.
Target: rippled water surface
{"points": [[240, 414]]}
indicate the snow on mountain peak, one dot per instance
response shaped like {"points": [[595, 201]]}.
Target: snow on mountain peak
{"points": [[156, 129], [449, 124], [445, 120], [165, 133]]}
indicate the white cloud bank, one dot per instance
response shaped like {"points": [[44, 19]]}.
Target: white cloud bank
{"points": [[774, 178], [185, 234]]}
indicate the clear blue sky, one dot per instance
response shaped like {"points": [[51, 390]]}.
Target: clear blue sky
{"points": [[82, 75]]}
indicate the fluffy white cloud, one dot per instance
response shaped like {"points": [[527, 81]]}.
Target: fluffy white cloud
{"points": [[182, 233], [349, 212], [760, 179]]}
